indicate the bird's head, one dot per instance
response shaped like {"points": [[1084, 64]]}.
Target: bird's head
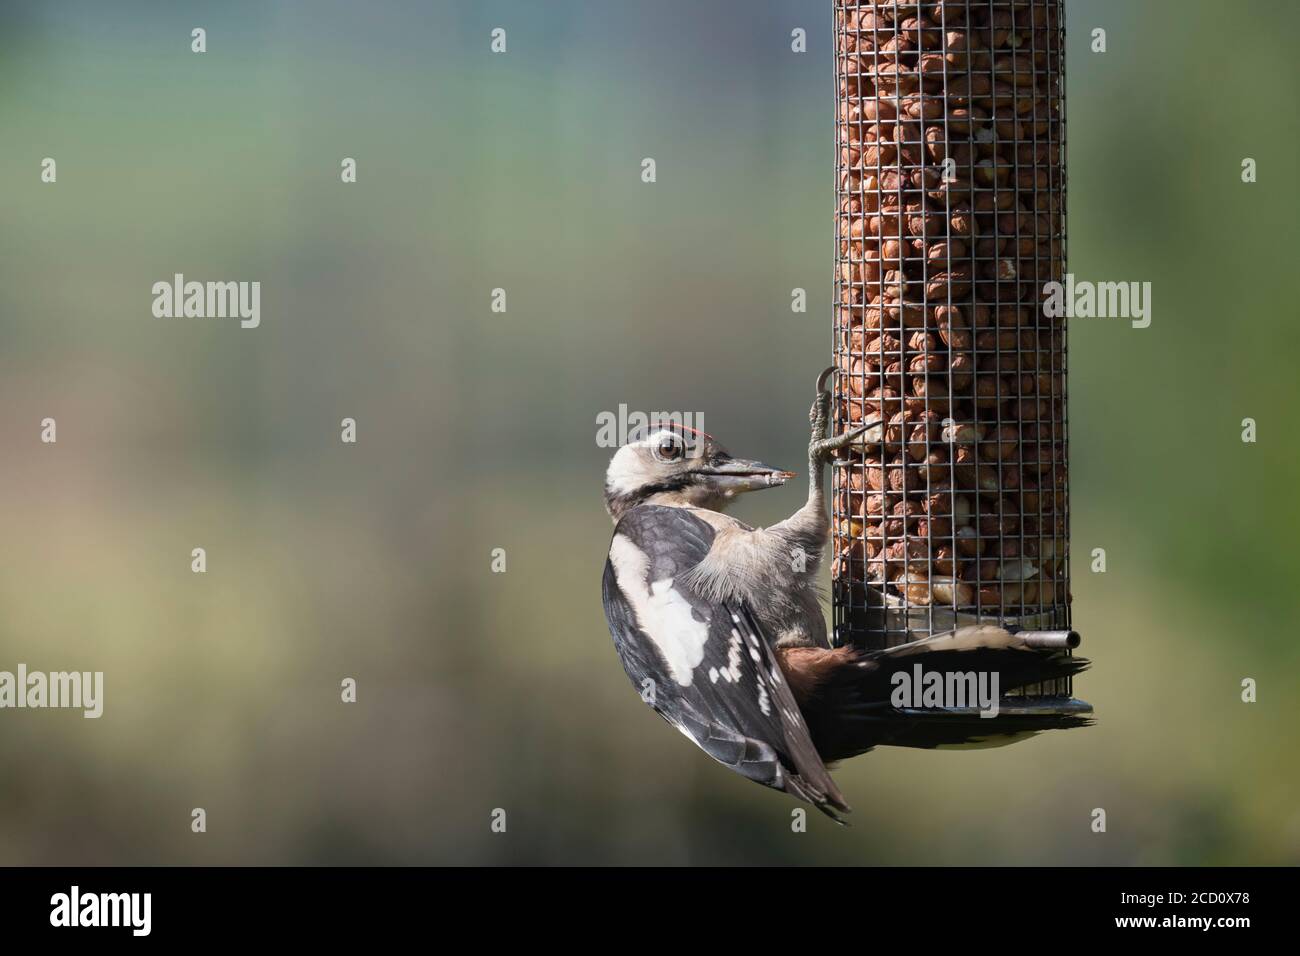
{"points": [[673, 464]]}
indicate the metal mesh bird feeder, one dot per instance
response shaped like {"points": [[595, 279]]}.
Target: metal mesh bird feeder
{"points": [[950, 187]]}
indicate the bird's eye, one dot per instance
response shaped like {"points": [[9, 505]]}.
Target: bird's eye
{"points": [[668, 449]]}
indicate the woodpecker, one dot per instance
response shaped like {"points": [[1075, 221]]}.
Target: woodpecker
{"points": [[719, 625]]}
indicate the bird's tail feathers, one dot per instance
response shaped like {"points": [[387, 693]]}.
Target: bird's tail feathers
{"points": [[857, 709]]}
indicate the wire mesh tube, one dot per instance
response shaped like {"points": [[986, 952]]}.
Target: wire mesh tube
{"points": [[953, 508]]}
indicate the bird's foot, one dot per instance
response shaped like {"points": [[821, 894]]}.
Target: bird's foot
{"points": [[819, 415], [822, 448]]}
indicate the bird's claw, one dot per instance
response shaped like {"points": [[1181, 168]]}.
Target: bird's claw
{"points": [[822, 447], [820, 413], [821, 450]]}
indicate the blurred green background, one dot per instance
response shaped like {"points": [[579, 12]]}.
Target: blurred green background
{"points": [[476, 429]]}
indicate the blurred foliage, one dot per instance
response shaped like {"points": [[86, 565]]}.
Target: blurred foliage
{"points": [[479, 690]]}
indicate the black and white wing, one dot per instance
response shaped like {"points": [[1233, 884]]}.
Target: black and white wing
{"points": [[706, 667]]}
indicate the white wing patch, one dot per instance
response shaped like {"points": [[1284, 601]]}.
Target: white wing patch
{"points": [[664, 614]]}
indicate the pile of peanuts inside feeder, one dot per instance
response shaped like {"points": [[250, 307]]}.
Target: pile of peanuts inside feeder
{"points": [[953, 506]]}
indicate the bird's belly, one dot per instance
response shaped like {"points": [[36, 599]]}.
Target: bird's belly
{"points": [[801, 625]]}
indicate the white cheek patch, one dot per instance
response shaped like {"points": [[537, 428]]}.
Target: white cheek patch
{"points": [[624, 473], [665, 615], [633, 465]]}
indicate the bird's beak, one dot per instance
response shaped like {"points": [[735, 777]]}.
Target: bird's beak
{"points": [[737, 475]]}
